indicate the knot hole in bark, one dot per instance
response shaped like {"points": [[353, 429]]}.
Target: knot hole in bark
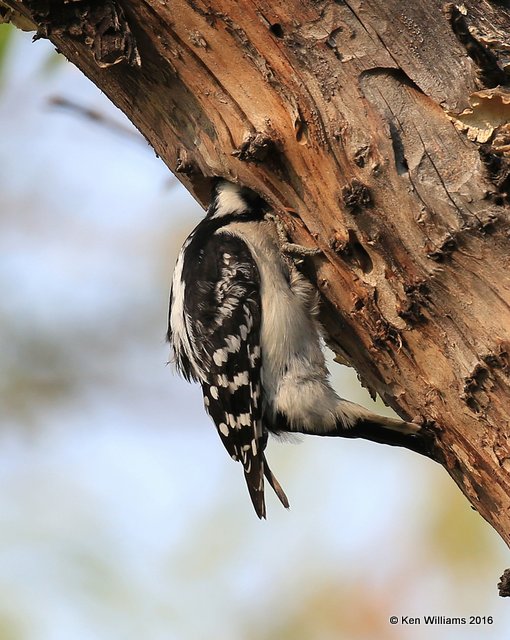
{"points": [[358, 254], [276, 29], [301, 130]]}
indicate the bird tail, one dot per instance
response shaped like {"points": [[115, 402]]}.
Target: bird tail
{"points": [[254, 473], [275, 484]]}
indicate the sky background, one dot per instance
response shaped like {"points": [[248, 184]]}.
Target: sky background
{"points": [[121, 515]]}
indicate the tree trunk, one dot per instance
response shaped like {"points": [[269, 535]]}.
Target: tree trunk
{"points": [[378, 130]]}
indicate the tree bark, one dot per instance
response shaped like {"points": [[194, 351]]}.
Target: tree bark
{"points": [[378, 130]]}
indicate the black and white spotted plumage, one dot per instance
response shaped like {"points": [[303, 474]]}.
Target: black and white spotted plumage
{"points": [[243, 323], [227, 298], [215, 323]]}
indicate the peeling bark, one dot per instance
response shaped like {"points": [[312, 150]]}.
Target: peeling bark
{"points": [[379, 132]]}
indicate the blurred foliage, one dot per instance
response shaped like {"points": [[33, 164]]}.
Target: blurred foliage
{"points": [[459, 535], [36, 373], [52, 63], [6, 36], [11, 627], [329, 610], [460, 541]]}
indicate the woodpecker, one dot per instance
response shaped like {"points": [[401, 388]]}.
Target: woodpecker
{"points": [[243, 322]]}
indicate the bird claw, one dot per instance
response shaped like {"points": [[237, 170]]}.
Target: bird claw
{"points": [[290, 248]]}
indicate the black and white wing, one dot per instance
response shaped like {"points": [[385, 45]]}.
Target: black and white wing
{"points": [[223, 309]]}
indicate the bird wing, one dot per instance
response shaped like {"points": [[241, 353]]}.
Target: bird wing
{"points": [[227, 343]]}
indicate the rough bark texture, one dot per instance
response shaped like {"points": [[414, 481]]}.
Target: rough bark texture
{"points": [[378, 130]]}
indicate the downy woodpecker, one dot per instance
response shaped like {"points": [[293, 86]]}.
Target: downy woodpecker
{"points": [[243, 323]]}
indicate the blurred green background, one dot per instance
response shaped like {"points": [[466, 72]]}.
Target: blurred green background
{"points": [[121, 516]]}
